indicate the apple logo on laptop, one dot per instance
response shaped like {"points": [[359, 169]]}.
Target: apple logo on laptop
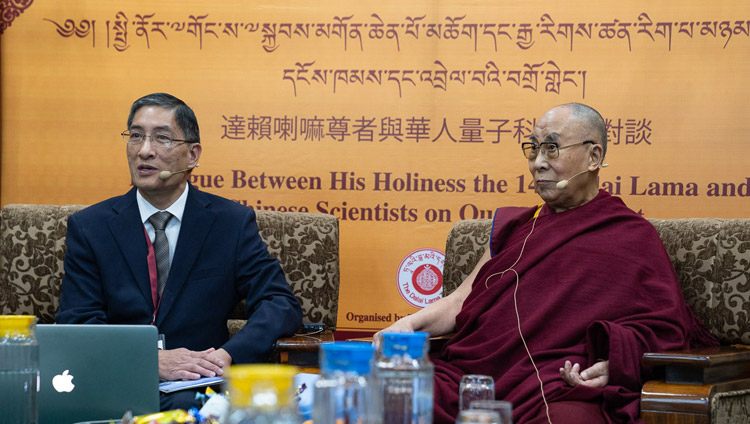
{"points": [[63, 382]]}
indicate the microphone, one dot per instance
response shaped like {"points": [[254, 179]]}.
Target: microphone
{"points": [[564, 183], [164, 175]]}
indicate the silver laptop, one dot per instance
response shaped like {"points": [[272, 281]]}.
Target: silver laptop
{"points": [[96, 372]]}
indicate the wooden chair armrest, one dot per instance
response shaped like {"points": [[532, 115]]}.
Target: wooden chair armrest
{"points": [[702, 366], [675, 403], [301, 350], [436, 342], [304, 342]]}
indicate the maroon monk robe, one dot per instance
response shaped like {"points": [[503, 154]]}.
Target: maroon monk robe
{"points": [[595, 283]]}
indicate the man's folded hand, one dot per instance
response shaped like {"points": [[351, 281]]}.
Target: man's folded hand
{"points": [[184, 364]]}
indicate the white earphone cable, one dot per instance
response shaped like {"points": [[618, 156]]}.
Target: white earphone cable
{"points": [[518, 317]]}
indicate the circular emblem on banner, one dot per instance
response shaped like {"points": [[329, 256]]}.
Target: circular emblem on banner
{"points": [[420, 277]]}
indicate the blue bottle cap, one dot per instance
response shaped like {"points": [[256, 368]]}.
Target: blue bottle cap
{"points": [[404, 343], [346, 356]]}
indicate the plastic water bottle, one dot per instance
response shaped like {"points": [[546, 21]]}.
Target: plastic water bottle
{"points": [[405, 375], [19, 369], [346, 392], [262, 394]]}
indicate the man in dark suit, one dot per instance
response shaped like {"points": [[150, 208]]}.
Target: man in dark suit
{"points": [[184, 273]]}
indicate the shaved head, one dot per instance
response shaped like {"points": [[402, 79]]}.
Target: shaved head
{"points": [[591, 120]]}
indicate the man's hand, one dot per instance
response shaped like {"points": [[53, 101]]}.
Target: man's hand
{"points": [[401, 326], [596, 375], [184, 364], [222, 358]]}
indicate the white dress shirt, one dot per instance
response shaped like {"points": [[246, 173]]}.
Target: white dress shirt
{"points": [[173, 226]]}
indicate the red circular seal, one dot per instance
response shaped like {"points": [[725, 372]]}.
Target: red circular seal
{"points": [[420, 277], [427, 279]]}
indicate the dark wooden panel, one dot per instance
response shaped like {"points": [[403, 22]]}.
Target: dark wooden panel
{"points": [[700, 357], [670, 403], [651, 417], [705, 365], [684, 398]]}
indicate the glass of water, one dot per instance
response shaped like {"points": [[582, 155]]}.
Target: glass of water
{"points": [[503, 408], [475, 387], [478, 416]]}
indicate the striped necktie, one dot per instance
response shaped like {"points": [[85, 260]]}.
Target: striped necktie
{"points": [[161, 248]]}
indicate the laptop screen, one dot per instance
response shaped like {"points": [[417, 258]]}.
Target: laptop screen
{"points": [[96, 372]]}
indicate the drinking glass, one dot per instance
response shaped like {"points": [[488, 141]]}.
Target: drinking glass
{"points": [[478, 416], [475, 387], [502, 407]]}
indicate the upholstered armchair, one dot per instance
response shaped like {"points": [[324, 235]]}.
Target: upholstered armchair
{"points": [[32, 247], [712, 261]]}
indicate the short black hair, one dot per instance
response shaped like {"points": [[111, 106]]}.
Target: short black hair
{"points": [[183, 115]]}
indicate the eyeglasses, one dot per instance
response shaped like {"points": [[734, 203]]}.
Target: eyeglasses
{"points": [[550, 150], [135, 138]]}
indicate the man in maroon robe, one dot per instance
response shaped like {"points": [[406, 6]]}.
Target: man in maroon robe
{"points": [[579, 282]]}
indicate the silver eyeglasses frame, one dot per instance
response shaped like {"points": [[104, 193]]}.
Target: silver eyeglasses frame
{"points": [[158, 139]]}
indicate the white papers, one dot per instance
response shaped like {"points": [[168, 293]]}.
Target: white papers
{"points": [[177, 385]]}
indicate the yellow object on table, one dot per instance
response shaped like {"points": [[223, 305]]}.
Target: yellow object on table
{"points": [[179, 416]]}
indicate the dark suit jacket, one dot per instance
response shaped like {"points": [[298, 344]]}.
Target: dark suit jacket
{"points": [[219, 260]]}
